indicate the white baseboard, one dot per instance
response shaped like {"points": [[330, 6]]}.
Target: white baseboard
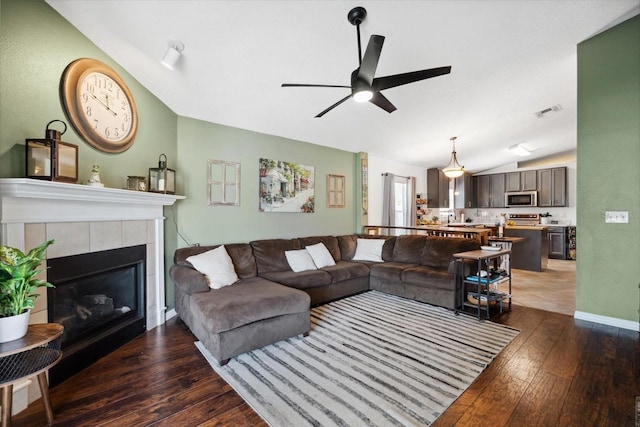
{"points": [[605, 320], [169, 314]]}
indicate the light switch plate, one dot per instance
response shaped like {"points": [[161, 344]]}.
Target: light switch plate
{"points": [[616, 217]]}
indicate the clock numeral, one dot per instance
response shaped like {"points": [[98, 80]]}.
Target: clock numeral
{"points": [[126, 118], [124, 105], [116, 134], [107, 133], [85, 97], [88, 111], [91, 88], [95, 124]]}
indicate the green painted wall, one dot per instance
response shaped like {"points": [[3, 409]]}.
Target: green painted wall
{"points": [[200, 223], [36, 44], [608, 267]]}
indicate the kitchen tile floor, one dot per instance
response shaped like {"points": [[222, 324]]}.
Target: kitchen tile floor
{"points": [[553, 289]]}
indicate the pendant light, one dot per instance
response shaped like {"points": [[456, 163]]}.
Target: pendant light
{"points": [[453, 169]]}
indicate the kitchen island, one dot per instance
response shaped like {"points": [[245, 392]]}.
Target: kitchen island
{"points": [[533, 252]]}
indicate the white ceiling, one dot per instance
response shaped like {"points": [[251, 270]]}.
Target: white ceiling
{"points": [[509, 59]]}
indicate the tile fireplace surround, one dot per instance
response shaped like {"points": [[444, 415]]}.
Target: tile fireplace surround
{"points": [[85, 219]]}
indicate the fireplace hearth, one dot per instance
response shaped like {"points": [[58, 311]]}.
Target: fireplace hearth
{"points": [[99, 298]]}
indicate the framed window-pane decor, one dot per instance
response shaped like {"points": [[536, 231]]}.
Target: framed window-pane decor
{"points": [[335, 191], [223, 183]]}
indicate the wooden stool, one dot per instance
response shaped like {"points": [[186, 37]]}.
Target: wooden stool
{"points": [[31, 355]]}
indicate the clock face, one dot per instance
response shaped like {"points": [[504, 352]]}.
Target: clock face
{"points": [[105, 106], [99, 105]]}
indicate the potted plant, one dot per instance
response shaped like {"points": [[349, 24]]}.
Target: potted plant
{"points": [[18, 283]]}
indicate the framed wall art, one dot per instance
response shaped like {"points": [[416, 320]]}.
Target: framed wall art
{"points": [[223, 183], [335, 191], [286, 187]]}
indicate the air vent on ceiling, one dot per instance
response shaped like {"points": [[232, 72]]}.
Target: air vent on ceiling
{"points": [[540, 114]]}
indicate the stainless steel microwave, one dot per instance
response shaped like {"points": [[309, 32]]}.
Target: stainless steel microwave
{"points": [[521, 199]]}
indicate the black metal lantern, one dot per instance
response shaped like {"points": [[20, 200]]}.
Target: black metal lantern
{"points": [[162, 179], [51, 158]]}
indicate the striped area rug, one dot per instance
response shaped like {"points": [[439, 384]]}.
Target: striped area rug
{"points": [[370, 360]]}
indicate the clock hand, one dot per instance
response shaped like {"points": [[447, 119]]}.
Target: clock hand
{"points": [[102, 103], [110, 110]]}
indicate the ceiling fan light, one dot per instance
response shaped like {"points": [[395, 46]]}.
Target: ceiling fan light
{"points": [[363, 95]]}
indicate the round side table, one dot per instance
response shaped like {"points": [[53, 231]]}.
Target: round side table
{"points": [[30, 355]]}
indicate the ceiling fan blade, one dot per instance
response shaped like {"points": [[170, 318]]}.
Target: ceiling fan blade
{"points": [[370, 59], [382, 102], [380, 83], [333, 106], [308, 85]]}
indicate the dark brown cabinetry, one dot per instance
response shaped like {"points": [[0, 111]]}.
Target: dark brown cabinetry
{"points": [[497, 190], [483, 191], [437, 189], [521, 181], [552, 187], [464, 193], [557, 242], [490, 190]]}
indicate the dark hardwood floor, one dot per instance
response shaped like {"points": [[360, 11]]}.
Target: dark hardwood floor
{"points": [[557, 372]]}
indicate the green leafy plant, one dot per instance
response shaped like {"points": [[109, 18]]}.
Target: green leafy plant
{"points": [[18, 278]]}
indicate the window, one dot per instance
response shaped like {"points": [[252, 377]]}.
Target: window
{"points": [[402, 206]]}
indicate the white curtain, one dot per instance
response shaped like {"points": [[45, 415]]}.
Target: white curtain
{"points": [[388, 199]]}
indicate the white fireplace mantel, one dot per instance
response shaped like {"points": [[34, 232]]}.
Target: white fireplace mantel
{"points": [[108, 217], [24, 200]]}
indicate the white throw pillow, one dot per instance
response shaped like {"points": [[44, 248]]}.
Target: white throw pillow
{"points": [[369, 250], [216, 264], [321, 255], [300, 260]]}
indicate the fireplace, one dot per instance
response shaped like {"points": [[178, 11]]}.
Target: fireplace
{"points": [[99, 299], [86, 220]]}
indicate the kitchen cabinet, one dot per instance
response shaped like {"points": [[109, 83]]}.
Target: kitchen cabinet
{"points": [[533, 252], [497, 190], [490, 190], [521, 181], [529, 180], [464, 193], [483, 191], [437, 189], [557, 242], [552, 187]]}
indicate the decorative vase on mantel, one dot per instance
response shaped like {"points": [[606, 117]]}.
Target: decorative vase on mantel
{"points": [[14, 327]]}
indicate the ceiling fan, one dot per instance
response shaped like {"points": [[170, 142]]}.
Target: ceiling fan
{"points": [[364, 86]]}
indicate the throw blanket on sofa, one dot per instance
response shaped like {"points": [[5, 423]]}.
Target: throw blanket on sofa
{"points": [[371, 359]]}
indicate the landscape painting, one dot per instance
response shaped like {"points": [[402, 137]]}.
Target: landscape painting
{"points": [[286, 187]]}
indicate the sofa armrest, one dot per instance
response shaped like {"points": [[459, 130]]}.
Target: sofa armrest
{"points": [[187, 279]]}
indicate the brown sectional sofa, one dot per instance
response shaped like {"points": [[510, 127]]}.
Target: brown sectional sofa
{"points": [[270, 302]]}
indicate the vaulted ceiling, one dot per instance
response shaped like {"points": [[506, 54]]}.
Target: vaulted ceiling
{"points": [[509, 59]]}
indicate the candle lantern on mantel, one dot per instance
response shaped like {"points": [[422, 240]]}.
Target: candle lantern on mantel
{"points": [[50, 158], [162, 179]]}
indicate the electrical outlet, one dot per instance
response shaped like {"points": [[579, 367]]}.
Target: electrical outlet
{"points": [[616, 217]]}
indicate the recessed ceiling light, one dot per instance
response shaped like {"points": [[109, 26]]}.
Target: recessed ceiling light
{"points": [[519, 150]]}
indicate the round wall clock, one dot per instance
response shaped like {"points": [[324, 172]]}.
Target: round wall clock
{"points": [[99, 105]]}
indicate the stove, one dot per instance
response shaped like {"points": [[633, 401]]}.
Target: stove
{"points": [[525, 218]]}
